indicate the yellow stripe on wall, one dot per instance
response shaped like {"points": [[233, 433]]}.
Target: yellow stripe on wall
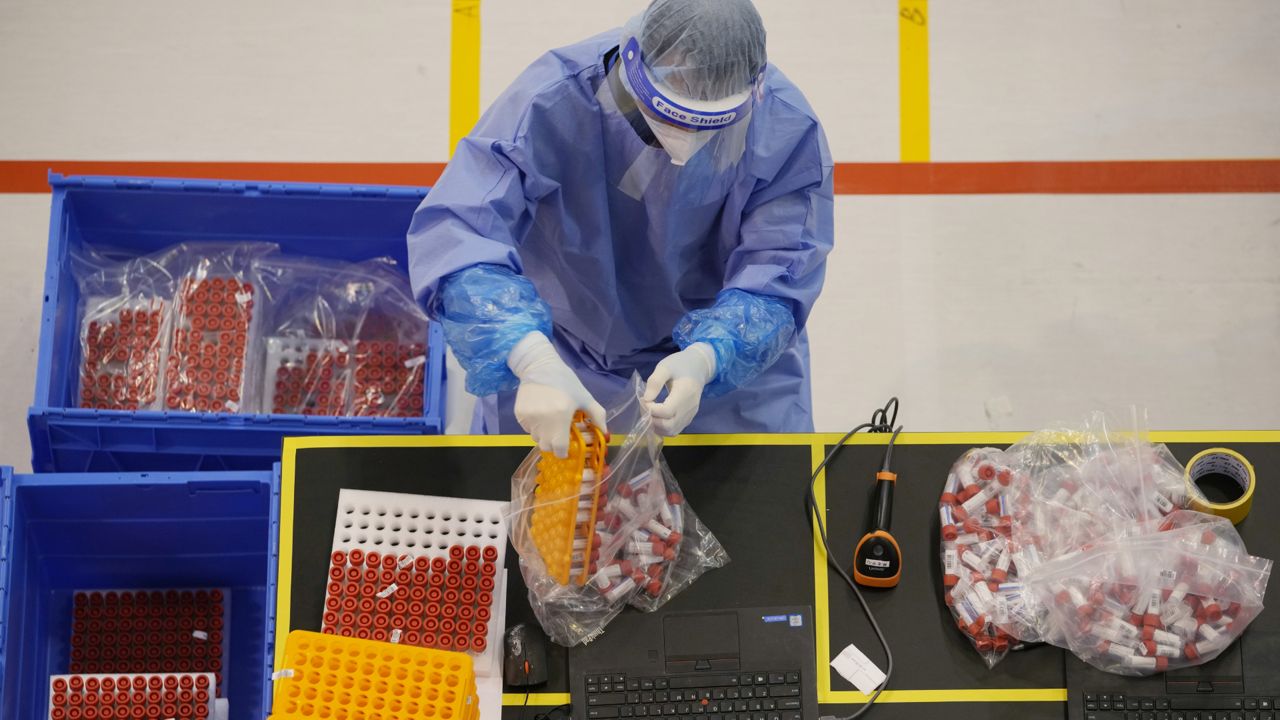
{"points": [[464, 70], [913, 79]]}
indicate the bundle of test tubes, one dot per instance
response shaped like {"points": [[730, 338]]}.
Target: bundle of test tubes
{"points": [[122, 341], [429, 602], [327, 676], [206, 363], [389, 378], [1047, 532], [1171, 597], [144, 654], [307, 377], [132, 696]]}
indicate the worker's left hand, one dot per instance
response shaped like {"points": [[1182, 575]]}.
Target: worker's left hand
{"points": [[683, 374]]}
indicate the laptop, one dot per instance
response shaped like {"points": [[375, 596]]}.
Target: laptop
{"points": [[732, 664], [1243, 683]]}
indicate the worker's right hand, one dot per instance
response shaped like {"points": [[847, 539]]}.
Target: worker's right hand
{"points": [[549, 395]]}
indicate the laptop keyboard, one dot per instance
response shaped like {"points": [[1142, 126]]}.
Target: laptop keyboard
{"points": [[1111, 706], [764, 695]]}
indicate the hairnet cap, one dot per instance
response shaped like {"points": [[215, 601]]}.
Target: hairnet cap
{"points": [[703, 49]]}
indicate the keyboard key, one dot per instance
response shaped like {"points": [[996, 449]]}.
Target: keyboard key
{"points": [[747, 678], [606, 699], [619, 678], [669, 709], [633, 684], [1207, 703], [661, 696], [759, 716], [655, 710], [646, 683], [1091, 706], [640, 710], [677, 695], [660, 684], [646, 697], [717, 694], [740, 705], [1148, 704], [789, 704], [598, 713], [1250, 715], [1266, 704], [704, 694], [1267, 716], [684, 708], [626, 711], [1090, 697], [1177, 715], [793, 678], [777, 678], [755, 705], [633, 698], [785, 691], [791, 716], [747, 692], [770, 704], [1163, 704], [1148, 715], [607, 687], [1131, 704], [699, 681], [731, 693], [1251, 703], [1104, 705], [762, 678]]}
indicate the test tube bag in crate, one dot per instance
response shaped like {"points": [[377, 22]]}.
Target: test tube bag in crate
{"points": [[145, 215], [77, 547]]}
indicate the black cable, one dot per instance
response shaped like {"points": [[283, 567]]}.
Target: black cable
{"points": [[547, 715], [882, 421]]}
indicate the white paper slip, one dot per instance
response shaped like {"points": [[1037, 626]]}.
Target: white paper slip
{"points": [[858, 669]]}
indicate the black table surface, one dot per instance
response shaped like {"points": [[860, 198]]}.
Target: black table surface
{"points": [[750, 491]]}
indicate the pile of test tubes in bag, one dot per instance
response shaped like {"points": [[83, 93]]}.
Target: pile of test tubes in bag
{"points": [[596, 534], [1080, 538], [144, 654], [240, 328]]}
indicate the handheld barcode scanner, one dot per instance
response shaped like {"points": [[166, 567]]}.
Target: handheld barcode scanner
{"points": [[877, 561]]}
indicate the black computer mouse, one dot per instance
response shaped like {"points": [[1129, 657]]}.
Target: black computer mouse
{"points": [[524, 656]]}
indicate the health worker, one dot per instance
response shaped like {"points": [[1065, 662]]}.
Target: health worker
{"points": [[655, 199]]}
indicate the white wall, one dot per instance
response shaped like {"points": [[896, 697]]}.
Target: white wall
{"points": [[1048, 305]]}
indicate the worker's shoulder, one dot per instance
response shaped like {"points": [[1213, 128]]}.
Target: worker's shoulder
{"points": [[782, 99], [567, 68]]}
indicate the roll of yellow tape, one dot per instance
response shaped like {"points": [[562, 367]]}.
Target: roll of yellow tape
{"points": [[1230, 463]]}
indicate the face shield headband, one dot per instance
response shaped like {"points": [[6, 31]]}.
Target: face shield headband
{"points": [[681, 112]]}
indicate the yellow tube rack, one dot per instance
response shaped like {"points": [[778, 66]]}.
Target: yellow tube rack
{"points": [[327, 677], [554, 522]]}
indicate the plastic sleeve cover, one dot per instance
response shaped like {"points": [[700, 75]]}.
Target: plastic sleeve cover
{"points": [[485, 311], [748, 332]]}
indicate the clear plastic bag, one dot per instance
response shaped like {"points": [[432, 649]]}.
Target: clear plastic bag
{"points": [[390, 348], [592, 542], [1084, 520], [1160, 601], [126, 306], [215, 326], [314, 310]]}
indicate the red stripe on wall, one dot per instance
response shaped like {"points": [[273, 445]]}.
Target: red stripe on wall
{"points": [[961, 178]]}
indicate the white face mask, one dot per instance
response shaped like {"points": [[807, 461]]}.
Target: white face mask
{"points": [[679, 144]]}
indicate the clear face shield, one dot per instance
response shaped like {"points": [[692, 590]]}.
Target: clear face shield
{"points": [[684, 125]]}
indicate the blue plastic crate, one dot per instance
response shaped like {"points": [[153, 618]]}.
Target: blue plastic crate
{"points": [[64, 532], [345, 222]]}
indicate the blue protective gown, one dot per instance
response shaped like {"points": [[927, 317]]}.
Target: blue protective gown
{"points": [[539, 187]]}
